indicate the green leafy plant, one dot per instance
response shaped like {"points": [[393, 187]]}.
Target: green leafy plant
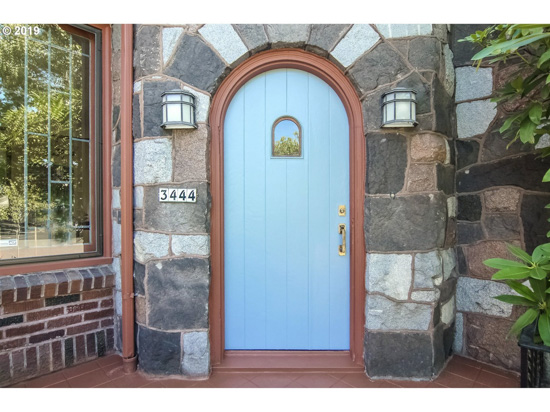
{"points": [[534, 270], [287, 146], [525, 47]]}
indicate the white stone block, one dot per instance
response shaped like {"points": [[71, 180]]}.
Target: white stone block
{"points": [[390, 274], [191, 244], [357, 41], [459, 330], [116, 238], [153, 161], [384, 314], [427, 269], [473, 118], [404, 30], [138, 197], [426, 295], [448, 311], [225, 40], [149, 245], [170, 37], [472, 83], [477, 295], [115, 204]]}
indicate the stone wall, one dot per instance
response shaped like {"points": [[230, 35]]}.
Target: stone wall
{"points": [[501, 200], [53, 320], [409, 205]]}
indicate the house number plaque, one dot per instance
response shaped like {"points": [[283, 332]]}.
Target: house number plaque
{"points": [[177, 195]]}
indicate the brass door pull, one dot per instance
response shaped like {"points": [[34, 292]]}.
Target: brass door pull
{"points": [[342, 247]]}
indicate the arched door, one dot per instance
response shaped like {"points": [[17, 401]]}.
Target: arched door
{"points": [[286, 202]]}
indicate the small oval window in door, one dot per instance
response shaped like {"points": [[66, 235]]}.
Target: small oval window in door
{"points": [[286, 138]]}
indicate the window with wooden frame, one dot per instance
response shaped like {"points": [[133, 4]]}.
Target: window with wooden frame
{"points": [[50, 134], [286, 137]]}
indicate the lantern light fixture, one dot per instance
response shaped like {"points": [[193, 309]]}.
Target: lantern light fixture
{"points": [[399, 108], [178, 110]]}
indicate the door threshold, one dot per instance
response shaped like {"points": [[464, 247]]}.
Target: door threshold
{"points": [[288, 361]]}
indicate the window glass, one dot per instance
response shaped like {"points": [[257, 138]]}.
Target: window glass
{"points": [[46, 143], [286, 138]]}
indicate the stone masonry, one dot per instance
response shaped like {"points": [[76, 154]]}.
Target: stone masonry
{"points": [[501, 200], [409, 226]]}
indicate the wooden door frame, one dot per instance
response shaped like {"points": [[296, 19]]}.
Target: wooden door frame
{"points": [[333, 76]]}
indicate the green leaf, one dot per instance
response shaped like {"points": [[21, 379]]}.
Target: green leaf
{"points": [[526, 130], [512, 274], [546, 177], [538, 287], [522, 290], [538, 253], [545, 56], [544, 327], [537, 273], [524, 320], [515, 300], [535, 113], [517, 252], [498, 263], [503, 47], [548, 79]]}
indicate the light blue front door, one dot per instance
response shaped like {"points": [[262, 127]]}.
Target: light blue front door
{"points": [[286, 284]]}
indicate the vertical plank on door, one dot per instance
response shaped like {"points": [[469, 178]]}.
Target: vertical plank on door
{"points": [[276, 218], [254, 206], [297, 224], [234, 223], [319, 213]]}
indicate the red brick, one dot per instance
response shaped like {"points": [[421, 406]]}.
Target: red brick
{"points": [[50, 284], [76, 286], [90, 344], [62, 283], [107, 322], [98, 315], [107, 303], [11, 344], [36, 286], [80, 345], [43, 314], [46, 336], [44, 358], [109, 281], [24, 330], [5, 374], [24, 306], [57, 355], [18, 363], [66, 321], [8, 296], [96, 294], [32, 361], [76, 330], [22, 288], [81, 307]]}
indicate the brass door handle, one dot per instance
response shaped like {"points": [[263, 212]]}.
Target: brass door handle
{"points": [[342, 247]]}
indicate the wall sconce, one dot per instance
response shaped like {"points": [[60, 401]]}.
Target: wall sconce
{"points": [[399, 108], [178, 110]]}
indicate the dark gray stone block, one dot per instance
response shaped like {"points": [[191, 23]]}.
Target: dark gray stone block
{"points": [[287, 35], [152, 107], [139, 278], [447, 289], [444, 109], [469, 208], [502, 226], [425, 53], [386, 163], [448, 339], [467, 152], [177, 217], [463, 51], [405, 223], [323, 37], [468, 233], [116, 166], [422, 89], [380, 66], [179, 288], [253, 35], [535, 220], [398, 355], [445, 178], [136, 117], [138, 219], [372, 112], [461, 261], [438, 348], [495, 146], [146, 50], [523, 171], [116, 121], [196, 64], [159, 352]]}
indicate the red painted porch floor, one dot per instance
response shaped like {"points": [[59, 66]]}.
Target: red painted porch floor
{"points": [[107, 372]]}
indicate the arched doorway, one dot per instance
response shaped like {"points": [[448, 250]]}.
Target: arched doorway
{"points": [[333, 77]]}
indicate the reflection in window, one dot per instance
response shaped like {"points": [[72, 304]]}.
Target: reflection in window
{"points": [[286, 138], [46, 148]]}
